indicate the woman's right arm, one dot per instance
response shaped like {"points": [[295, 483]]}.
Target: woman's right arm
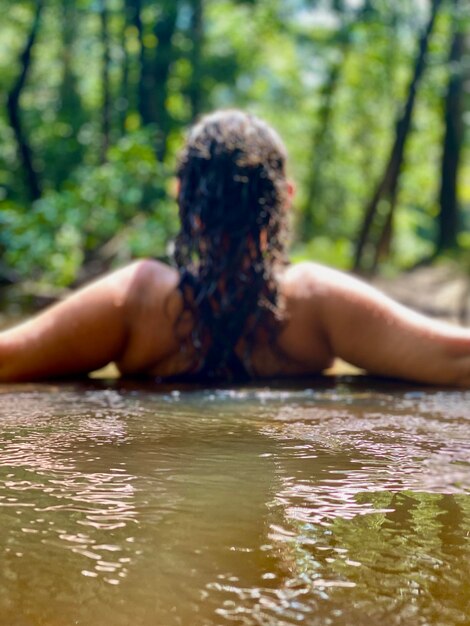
{"points": [[84, 332]]}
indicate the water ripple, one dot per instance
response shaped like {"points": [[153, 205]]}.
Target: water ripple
{"points": [[266, 506]]}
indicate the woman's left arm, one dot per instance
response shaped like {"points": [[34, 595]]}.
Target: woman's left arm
{"points": [[370, 330]]}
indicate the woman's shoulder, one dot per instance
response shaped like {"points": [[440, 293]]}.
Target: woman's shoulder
{"points": [[300, 280], [152, 271], [149, 285], [138, 280], [307, 279], [153, 305]]}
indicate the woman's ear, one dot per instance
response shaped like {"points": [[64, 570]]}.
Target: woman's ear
{"points": [[175, 187], [291, 190]]}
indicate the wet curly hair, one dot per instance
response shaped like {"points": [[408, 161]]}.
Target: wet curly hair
{"points": [[232, 198]]}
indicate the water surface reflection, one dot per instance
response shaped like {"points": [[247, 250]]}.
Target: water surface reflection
{"points": [[331, 505]]}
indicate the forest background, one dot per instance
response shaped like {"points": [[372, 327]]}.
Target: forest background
{"points": [[371, 96]]}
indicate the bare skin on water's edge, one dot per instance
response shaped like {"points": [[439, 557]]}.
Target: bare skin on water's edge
{"points": [[128, 317]]}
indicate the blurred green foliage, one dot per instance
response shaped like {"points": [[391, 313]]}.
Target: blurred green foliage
{"points": [[331, 76]]}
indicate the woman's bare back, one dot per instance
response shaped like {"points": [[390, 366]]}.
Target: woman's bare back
{"points": [[155, 349], [328, 314], [129, 317]]}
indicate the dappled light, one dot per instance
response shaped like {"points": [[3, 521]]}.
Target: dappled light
{"points": [[99, 95], [190, 430]]}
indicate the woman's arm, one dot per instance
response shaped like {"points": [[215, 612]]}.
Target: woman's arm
{"points": [[371, 331], [82, 333]]}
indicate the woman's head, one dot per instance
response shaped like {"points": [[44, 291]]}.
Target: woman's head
{"points": [[232, 182], [232, 198]]}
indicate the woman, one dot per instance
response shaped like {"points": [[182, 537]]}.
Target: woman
{"points": [[232, 307]]}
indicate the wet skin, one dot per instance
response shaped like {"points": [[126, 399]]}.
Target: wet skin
{"points": [[129, 317]]}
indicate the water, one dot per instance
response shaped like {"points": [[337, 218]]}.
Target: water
{"points": [[340, 504]]}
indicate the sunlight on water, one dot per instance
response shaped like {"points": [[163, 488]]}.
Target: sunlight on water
{"points": [[339, 504]]}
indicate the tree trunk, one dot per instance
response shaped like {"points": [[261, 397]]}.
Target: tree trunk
{"points": [[197, 36], [131, 81], [164, 57], [146, 83], [133, 17], [155, 69], [448, 218], [318, 144], [14, 112], [124, 97], [386, 191], [106, 87], [65, 155], [321, 131]]}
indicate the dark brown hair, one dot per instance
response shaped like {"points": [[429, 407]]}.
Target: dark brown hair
{"points": [[232, 200]]}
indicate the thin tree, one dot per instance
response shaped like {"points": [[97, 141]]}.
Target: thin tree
{"points": [[155, 65], [105, 81], [448, 218], [14, 110], [197, 36], [62, 156], [386, 190], [124, 97], [164, 57], [319, 144], [131, 88], [341, 39]]}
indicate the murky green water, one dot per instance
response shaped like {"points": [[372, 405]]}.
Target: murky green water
{"points": [[336, 505]]}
